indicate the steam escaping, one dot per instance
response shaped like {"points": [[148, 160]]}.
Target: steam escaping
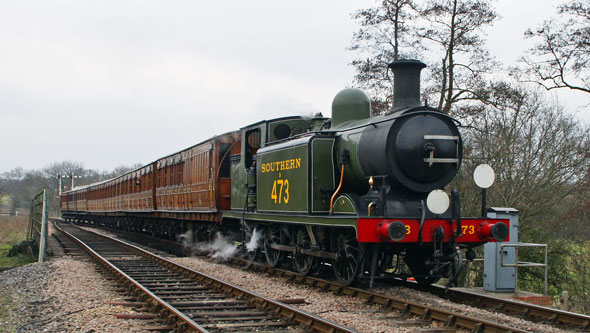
{"points": [[221, 247], [253, 244], [186, 239]]}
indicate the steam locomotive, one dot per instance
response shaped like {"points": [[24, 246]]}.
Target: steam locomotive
{"points": [[356, 193]]}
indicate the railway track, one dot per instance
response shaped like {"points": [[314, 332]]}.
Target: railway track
{"points": [[189, 300], [566, 320], [538, 314]]}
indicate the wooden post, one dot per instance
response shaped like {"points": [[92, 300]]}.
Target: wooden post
{"points": [[564, 300], [30, 228]]}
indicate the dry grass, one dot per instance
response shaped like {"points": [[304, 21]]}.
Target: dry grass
{"points": [[13, 229]]}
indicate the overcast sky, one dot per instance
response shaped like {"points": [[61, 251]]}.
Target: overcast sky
{"points": [[111, 83]]}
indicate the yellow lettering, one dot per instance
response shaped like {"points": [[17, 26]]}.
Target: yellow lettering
{"points": [[289, 164], [408, 229]]}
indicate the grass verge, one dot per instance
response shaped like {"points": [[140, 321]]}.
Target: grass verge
{"points": [[13, 230]]}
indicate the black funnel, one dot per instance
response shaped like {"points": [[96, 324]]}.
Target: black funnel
{"points": [[406, 83]]}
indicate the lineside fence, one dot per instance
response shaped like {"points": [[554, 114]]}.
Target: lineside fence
{"points": [[37, 231]]}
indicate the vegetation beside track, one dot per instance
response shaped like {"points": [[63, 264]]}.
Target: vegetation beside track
{"points": [[13, 230]]}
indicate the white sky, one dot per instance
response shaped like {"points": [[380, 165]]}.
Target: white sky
{"points": [[111, 83]]}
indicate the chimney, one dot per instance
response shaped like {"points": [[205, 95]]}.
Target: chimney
{"points": [[406, 83]]}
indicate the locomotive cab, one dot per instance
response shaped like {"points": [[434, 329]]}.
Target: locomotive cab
{"points": [[258, 136]]}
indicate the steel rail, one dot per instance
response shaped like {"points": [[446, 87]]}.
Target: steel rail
{"points": [[188, 323], [507, 306], [311, 322], [528, 310], [557, 316], [427, 312]]}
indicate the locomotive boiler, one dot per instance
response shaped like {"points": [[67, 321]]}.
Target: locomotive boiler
{"points": [[355, 193]]}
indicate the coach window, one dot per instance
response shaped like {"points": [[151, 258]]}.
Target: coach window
{"points": [[180, 169], [173, 180]]}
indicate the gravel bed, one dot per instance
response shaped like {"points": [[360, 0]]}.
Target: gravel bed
{"points": [[432, 300], [348, 311], [62, 295]]}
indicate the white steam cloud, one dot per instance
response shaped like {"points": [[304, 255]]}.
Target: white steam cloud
{"points": [[253, 244], [220, 248]]}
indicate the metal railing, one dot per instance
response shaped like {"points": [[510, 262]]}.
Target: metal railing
{"points": [[37, 231], [523, 263]]}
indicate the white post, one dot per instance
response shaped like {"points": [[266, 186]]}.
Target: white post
{"points": [[59, 187], [43, 233]]}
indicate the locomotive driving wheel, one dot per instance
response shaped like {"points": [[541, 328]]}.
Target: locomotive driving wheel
{"points": [[303, 262], [350, 252], [274, 235]]}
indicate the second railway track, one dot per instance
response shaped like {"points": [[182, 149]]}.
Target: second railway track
{"points": [[456, 319], [188, 300]]}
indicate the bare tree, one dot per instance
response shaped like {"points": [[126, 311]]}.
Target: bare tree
{"points": [[454, 29], [446, 30], [541, 158], [9, 182], [65, 170], [122, 169], [561, 57], [540, 154], [384, 36]]}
